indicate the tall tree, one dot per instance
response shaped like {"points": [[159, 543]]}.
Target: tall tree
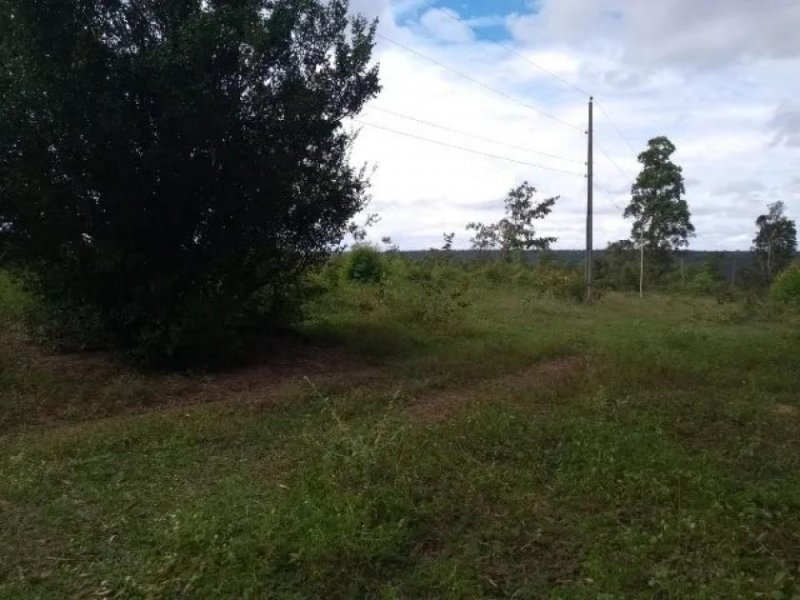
{"points": [[775, 243], [662, 221], [515, 233], [166, 163]]}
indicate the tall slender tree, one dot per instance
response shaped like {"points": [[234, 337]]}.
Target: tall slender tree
{"points": [[775, 243], [661, 218], [515, 233]]}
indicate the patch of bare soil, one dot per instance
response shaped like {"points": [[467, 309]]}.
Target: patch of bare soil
{"points": [[785, 410], [547, 373]]}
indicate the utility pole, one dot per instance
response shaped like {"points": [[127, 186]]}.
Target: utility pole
{"points": [[590, 203], [641, 271]]}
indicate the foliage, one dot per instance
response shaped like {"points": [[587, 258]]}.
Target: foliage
{"points": [[162, 162], [389, 245], [515, 233], [540, 279], [447, 245], [660, 212], [698, 280], [15, 304], [561, 283], [618, 267], [775, 243], [364, 264], [358, 231], [439, 294], [786, 286]]}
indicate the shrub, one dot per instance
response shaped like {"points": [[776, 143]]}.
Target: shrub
{"points": [[436, 296], [364, 264], [545, 277], [696, 280], [562, 283], [786, 287]]}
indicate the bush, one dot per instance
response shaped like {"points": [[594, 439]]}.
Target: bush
{"points": [[786, 287], [544, 278], [14, 302], [441, 294], [562, 283], [364, 264], [696, 280]]}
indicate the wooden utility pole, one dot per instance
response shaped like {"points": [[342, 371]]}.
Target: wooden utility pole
{"points": [[641, 272], [589, 203]]}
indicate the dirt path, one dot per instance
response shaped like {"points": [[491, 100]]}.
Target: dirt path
{"points": [[546, 373]]}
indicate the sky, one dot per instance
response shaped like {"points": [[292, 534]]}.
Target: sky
{"points": [[720, 78]]}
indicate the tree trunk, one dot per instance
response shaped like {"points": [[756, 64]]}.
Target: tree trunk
{"points": [[769, 263]]}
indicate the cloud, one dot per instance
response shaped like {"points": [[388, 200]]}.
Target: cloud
{"points": [[445, 24], [792, 188], [786, 124], [371, 8], [685, 33], [738, 188]]}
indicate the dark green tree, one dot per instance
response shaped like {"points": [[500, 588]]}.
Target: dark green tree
{"points": [[661, 218], [515, 233], [167, 165], [775, 244]]}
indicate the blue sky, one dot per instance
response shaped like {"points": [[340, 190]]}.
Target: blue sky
{"points": [[718, 78], [480, 13], [481, 8]]}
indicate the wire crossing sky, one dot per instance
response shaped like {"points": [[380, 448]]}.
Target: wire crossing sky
{"points": [[481, 95]]}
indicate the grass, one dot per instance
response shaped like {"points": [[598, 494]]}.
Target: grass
{"points": [[518, 447]]}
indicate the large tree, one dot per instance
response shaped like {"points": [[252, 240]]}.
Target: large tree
{"points": [[164, 163], [775, 243], [661, 218]]}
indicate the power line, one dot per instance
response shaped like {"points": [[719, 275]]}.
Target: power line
{"points": [[463, 149], [479, 82], [613, 162], [513, 51], [471, 135], [608, 195], [617, 129]]}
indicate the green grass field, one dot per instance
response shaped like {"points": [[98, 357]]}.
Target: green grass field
{"points": [[522, 448]]}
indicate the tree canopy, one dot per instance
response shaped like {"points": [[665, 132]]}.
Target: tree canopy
{"points": [[515, 233], [165, 165], [660, 212]]}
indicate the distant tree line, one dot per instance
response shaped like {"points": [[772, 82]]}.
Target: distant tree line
{"points": [[655, 252]]}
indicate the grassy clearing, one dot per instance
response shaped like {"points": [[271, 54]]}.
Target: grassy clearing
{"points": [[520, 447]]}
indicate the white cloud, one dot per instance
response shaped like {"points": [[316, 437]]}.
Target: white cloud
{"points": [[786, 124], [685, 32], [445, 24]]}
